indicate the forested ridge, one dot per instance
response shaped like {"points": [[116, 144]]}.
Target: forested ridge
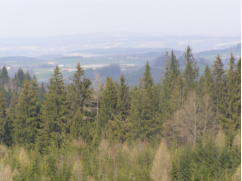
{"points": [[187, 127]]}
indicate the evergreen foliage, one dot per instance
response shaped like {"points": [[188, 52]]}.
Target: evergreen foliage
{"points": [[183, 128], [54, 119], [190, 73]]}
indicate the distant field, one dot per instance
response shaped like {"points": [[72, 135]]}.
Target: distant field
{"points": [[211, 57], [89, 61], [43, 74]]}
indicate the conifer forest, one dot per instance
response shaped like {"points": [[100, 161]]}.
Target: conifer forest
{"points": [[187, 127]]}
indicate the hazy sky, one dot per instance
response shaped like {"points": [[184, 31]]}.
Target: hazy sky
{"points": [[166, 17]]}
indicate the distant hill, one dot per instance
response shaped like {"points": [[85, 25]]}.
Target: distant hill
{"points": [[69, 57], [236, 48], [18, 59]]}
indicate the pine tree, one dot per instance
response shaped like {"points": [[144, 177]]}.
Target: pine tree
{"points": [[166, 105], [199, 86], [19, 77], [123, 99], [27, 76], [79, 94], [108, 103], [4, 75], [237, 104], [54, 121], [173, 65], [190, 73], [218, 75], [117, 127], [208, 80], [147, 79], [27, 115], [177, 94], [80, 88], [42, 91], [3, 113], [144, 120], [228, 115]]}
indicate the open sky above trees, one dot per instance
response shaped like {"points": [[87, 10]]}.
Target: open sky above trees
{"points": [[29, 18]]}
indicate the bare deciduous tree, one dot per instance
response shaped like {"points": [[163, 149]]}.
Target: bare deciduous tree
{"points": [[194, 119]]}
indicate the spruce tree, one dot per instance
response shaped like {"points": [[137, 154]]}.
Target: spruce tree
{"points": [[27, 115], [3, 122], [19, 77], [27, 76], [42, 91], [228, 113], [190, 73], [237, 103], [79, 94], [218, 75], [4, 75], [108, 103], [80, 88], [208, 80], [123, 99], [144, 121], [176, 100], [117, 128], [54, 121], [173, 65]]}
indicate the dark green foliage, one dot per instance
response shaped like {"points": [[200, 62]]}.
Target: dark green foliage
{"points": [[79, 93], [205, 161], [54, 119], [208, 80], [4, 75], [42, 91], [3, 122], [230, 118], [27, 115], [19, 77], [218, 74], [108, 103], [144, 120], [190, 73], [55, 134]]}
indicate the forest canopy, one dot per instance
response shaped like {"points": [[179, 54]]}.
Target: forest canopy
{"points": [[186, 127]]}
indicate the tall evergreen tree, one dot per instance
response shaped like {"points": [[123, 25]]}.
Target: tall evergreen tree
{"points": [[218, 75], [237, 104], [2, 117], [177, 95], [228, 113], [4, 75], [117, 127], [123, 99], [19, 77], [27, 115], [42, 91], [143, 118], [79, 94], [54, 120], [108, 103], [80, 88], [208, 80], [173, 65], [166, 105], [190, 73], [27, 76]]}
